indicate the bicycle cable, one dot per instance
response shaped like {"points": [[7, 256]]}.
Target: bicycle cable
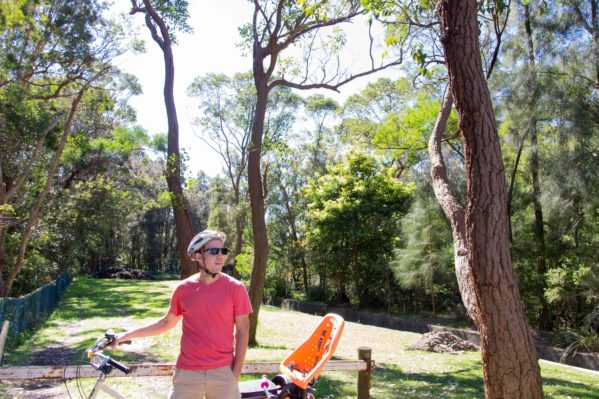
{"points": [[64, 380]]}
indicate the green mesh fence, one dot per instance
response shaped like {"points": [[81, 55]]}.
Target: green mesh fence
{"points": [[27, 311]]}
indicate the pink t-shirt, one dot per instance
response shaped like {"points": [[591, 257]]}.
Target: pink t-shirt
{"points": [[209, 313]]}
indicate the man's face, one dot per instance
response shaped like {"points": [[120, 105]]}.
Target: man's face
{"points": [[214, 263]]}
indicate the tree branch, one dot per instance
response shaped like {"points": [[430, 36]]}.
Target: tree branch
{"points": [[292, 36], [498, 35], [25, 172], [334, 87], [152, 18]]}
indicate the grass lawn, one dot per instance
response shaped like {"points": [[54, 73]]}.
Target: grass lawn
{"points": [[90, 307]]}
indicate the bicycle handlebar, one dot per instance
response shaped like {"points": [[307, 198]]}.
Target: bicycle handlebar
{"points": [[99, 360], [119, 366]]}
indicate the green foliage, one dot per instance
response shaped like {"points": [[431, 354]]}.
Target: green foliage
{"points": [[572, 290], [555, 99], [351, 229], [405, 134], [243, 264], [424, 260], [318, 103], [7, 209], [395, 119], [174, 14]]}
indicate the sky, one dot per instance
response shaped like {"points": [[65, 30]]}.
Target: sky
{"points": [[211, 48]]}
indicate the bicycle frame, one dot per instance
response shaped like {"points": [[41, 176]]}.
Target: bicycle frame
{"points": [[100, 386]]}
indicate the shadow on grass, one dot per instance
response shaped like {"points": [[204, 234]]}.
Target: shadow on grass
{"points": [[88, 298], [390, 381], [560, 388], [58, 354]]}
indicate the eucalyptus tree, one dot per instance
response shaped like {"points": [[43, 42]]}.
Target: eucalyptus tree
{"points": [[53, 56], [227, 106], [394, 118], [276, 28], [286, 213], [164, 18], [303, 156], [321, 111]]}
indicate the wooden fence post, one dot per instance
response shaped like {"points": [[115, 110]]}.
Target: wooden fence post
{"points": [[3, 336], [364, 353]]}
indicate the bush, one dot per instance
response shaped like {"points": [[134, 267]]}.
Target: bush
{"points": [[126, 274]]}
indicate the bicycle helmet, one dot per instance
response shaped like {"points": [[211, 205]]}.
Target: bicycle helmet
{"points": [[203, 238]]}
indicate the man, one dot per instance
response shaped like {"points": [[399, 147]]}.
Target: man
{"points": [[215, 310]]}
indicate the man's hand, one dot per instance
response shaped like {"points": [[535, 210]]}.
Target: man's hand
{"points": [[242, 333], [118, 339]]}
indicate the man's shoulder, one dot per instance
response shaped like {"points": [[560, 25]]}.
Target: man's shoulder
{"points": [[231, 280], [189, 281]]}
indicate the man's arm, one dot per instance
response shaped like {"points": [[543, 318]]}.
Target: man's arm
{"points": [[168, 321], [242, 335]]}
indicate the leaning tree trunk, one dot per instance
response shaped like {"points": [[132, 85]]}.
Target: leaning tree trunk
{"points": [[257, 196], [453, 210], [6, 285], [509, 356]]}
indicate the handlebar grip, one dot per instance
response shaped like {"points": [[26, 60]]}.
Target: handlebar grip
{"points": [[119, 366]]}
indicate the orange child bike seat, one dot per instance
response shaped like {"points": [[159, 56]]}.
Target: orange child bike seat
{"points": [[306, 362]]}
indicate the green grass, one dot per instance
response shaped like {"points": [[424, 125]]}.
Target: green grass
{"points": [[90, 307]]}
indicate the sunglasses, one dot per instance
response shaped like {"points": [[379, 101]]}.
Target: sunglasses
{"points": [[214, 251]]}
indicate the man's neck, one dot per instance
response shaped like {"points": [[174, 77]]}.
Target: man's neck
{"points": [[207, 278]]}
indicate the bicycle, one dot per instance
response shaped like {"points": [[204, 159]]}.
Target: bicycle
{"points": [[299, 370]]}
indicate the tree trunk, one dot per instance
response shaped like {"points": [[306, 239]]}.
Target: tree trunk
{"points": [[183, 225], [539, 229], [239, 227], [509, 356], [256, 191], [594, 4], [3, 231]]}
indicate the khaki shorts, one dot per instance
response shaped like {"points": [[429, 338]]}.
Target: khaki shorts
{"points": [[219, 383]]}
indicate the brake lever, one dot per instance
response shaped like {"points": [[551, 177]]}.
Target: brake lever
{"points": [[111, 336]]}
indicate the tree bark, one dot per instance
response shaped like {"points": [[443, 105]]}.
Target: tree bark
{"points": [[256, 191], [453, 210], [509, 356], [183, 225]]}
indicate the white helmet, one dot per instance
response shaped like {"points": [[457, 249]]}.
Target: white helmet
{"points": [[202, 239]]}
